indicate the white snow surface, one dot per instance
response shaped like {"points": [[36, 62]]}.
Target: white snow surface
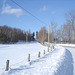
{"points": [[56, 62], [72, 50], [67, 45]]}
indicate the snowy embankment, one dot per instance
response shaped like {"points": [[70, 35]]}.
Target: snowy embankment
{"points": [[56, 62], [67, 45], [72, 50]]}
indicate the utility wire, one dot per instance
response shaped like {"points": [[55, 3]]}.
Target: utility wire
{"points": [[28, 12]]}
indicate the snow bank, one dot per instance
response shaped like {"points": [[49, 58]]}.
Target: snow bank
{"points": [[57, 62], [72, 50], [66, 67]]}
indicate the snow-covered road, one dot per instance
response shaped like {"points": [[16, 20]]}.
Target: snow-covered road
{"points": [[72, 50]]}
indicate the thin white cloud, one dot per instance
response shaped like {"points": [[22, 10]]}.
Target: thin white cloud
{"points": [[6, 9], [43, 9], [53, 12]]}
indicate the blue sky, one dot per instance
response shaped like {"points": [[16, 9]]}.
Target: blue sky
{"points": [[46, 10]]}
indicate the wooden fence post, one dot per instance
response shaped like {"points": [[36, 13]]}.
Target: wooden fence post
{"points": [[39, 54], [51, 48], [48, 48], [44, 52], [7, 65], [28, 57]]}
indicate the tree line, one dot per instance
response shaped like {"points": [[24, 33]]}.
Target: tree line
{"points": [[8, 34], [63, 34]]}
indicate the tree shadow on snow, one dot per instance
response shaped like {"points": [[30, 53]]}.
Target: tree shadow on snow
{"points": [[67, 65]]}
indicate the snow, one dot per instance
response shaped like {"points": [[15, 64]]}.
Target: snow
{"points": [[19, 52], [71, 48], [67, 45], [57, 62], [72, 51]]}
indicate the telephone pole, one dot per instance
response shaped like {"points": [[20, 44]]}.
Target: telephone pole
{"points": [[26, 38], [48, 33], [48, 37]]}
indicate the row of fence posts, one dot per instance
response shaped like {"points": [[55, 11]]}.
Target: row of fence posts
{"points": [[7, 62]]}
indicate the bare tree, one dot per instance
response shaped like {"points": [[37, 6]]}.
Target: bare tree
{"points": [[42, 35], [53, 31], [67, 33], [70, 17], [8, 34]]}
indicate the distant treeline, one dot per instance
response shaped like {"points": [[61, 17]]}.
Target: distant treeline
{"points": [[8, 34]]}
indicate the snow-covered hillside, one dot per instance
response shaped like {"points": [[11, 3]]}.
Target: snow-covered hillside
{"points": [[56, 62]]}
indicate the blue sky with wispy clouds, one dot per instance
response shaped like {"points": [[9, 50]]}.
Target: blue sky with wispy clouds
{"points": [[45, 10]]}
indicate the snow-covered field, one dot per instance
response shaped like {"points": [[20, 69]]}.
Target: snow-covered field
{"points": [[56, 62], [19, 52]]}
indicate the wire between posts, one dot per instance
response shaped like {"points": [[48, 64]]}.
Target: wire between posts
{"points": [[17, 63], [28, 12]]}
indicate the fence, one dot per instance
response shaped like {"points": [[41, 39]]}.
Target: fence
{"points": [[29, 57]]}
